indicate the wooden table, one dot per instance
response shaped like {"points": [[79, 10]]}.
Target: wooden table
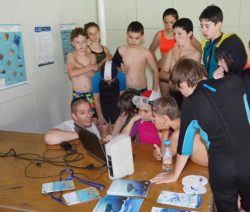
{"points": [[20, 193]]}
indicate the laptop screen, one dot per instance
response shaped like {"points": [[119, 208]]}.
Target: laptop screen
{"points": [[92, 144]]}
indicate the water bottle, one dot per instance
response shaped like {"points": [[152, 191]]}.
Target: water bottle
{"points": [[167, 158]]}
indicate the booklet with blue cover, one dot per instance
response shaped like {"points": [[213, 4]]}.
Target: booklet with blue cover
{"points": [[130, 188], [80, 196], [57, 186], [180, 199], [156, 209], [118, 204]]}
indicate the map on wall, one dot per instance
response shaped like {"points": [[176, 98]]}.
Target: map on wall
{"points": [[12, 65], [66, 30]]}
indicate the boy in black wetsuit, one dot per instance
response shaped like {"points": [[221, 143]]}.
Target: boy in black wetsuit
{"points": [[233, 59], [219, 110]]}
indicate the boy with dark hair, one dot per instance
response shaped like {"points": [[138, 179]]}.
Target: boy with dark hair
{"points": [[81, 66], [183, 33], [135, 26], [133, 58], [211, 20], [218, 109]]}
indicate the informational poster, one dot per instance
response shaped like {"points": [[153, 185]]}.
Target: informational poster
{"points": [[12, 65], [66, 30], [44, 46]]}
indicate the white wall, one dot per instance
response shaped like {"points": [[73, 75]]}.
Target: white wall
{"points": [[149, 13], [44, 101]]}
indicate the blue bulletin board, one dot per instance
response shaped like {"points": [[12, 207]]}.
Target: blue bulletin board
{"points": [[12, 65]]}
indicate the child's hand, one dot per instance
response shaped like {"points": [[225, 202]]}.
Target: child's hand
{"points": [[164, 178], [124, 68], [218, 73], [95, 67], [157, 152], [95, 120], [101, 121], [107, 139], [136, 118], [90, 74]]}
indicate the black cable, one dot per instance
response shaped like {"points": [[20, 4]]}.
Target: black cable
{"points": [[66, 161], [101, 172]]}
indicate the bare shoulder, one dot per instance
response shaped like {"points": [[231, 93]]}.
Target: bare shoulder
{"points": [[173, 53], [196, 54], [88, 49], [142, 51], [196, 51], [70, 57], [147, 52], [92, 58], [89, 55], [105, 48], [158, 34], [122, 49]]}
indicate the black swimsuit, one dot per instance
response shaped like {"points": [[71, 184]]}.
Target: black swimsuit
{"points": [[99, 55]]}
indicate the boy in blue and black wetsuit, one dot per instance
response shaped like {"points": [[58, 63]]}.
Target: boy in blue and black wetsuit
{"points": [[220, 111], [211, 22], [233, 59]]}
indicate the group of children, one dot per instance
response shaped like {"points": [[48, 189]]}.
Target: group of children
{"points": [[116, 89], [217, 109], [101, 79]]}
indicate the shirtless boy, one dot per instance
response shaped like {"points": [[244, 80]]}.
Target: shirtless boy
{"points": [[183, 31], [81, 66], [133, 58]]}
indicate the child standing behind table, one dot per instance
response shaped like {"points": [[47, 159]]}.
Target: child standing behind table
{"points": [[95, 47], [108, 84], [141, 125], [133, 58], [81, 66]]}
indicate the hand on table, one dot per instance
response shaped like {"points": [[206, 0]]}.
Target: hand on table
{"points": [[164, 178]]}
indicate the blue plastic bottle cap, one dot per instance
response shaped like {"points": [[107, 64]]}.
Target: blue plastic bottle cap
{"points": [[167, 142]]}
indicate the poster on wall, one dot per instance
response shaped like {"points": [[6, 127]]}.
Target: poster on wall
{"points": [[44, 46], [12, 65], [66, 30]]}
